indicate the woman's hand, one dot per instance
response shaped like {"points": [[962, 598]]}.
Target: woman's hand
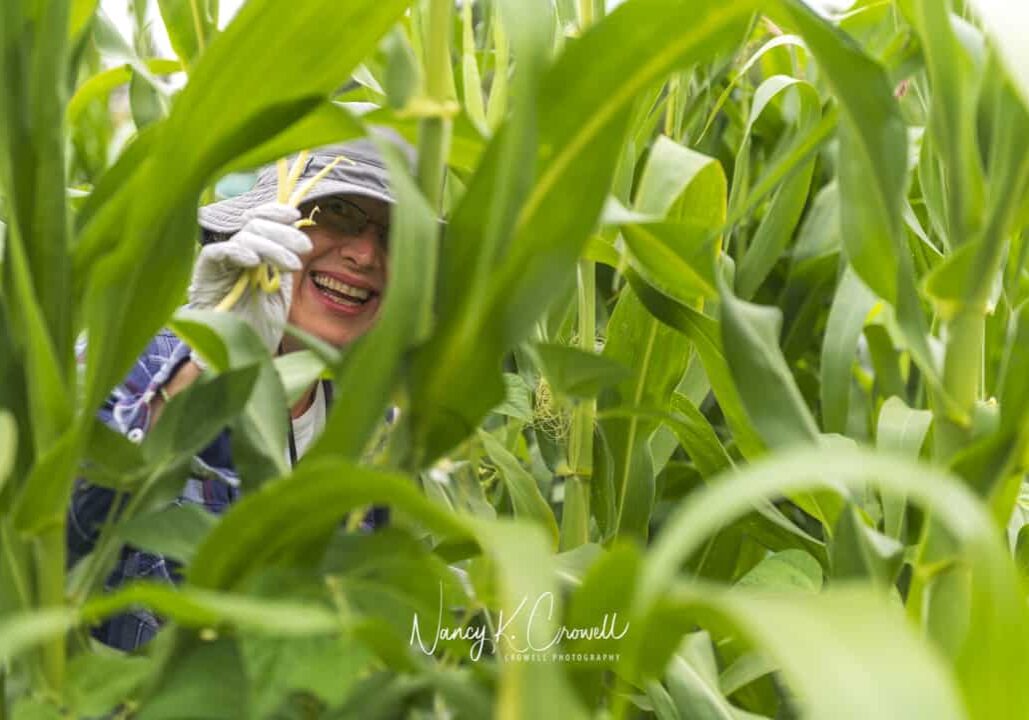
{"points": [[268, 236]]}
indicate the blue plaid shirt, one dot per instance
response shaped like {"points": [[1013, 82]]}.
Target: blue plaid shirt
{"points": [[214, 484]]}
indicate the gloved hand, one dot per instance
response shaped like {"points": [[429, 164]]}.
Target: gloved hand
{"points": [[267, 236]]}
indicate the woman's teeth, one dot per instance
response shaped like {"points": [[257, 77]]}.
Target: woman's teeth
{"points": [[340, 291]]}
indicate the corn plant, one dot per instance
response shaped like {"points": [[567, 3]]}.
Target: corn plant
{"points": [[705, 325]]}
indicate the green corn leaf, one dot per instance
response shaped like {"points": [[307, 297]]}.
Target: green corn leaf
{"points": [[784, 571], [101, 84], [193, 417], [8, 445], [690, 428], [872, 148], [860, 552], [80, 15], [33, 59], [27, 629], [260, 431], [191, 26], [298, 371], [682, 184], [656, 355], [198, 607], [328, 122], [198, 679], [525, 495], [877, 639], [996, 616], [676, 258], [889, 378], [471, 80], [525, 575], [900, 430], [100, 682], [174, 532], [872, 174], [575, 372], [850, 308], [952, 115], [706, 337], [776, 228], [577, 122], [148, 102], [750, 334], [692, 680], [322, 492]]}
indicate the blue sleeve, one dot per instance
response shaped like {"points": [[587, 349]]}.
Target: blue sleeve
{"points": [[126, 411]]}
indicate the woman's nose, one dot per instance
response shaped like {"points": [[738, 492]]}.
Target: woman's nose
{"points": [[364, 250]]}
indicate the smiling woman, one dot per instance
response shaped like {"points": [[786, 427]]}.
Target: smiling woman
{"points": [[338, 291], [328, 264]]}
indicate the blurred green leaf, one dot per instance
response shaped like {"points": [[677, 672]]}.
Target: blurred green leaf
{"points": [[191, 26], [207, 680], [8, 445], [877, 639], [99, 86], [147, 101], [859, 551], [250, 536], [872, 150], [227, 342], [780, 219], [298, 371], [578, 123], [705, 334], [24, 630], [692, 681], [518, 399], [903, 431], [201, 608], [28, 708], [750, 334], [576, 372], [783, 571], [676, 258], [526, 498], [98, 682], [193, 417], [847, 317], [995, 611], [173, 532], [657, 356]]}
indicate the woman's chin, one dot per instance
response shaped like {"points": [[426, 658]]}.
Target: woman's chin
{"points": [[335, 333]]}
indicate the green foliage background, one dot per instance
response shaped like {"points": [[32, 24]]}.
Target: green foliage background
{"points": [[723, 342]]}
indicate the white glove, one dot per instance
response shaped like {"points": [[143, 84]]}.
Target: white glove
{"points": [[267, 236]]}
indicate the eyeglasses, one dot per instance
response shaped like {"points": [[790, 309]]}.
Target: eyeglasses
{"points": [[346, 217]]}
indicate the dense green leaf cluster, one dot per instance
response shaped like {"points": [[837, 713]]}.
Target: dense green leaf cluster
{"points": [[706, 324]]}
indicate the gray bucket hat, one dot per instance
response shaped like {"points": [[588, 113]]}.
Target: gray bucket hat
{"points": [[362, 172]]}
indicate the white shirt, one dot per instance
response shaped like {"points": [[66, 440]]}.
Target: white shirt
{"points": [[309, 424]]}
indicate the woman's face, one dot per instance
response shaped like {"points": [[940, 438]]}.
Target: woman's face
{"points": [[338, 291]]}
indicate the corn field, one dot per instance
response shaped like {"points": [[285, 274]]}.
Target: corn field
{"points": [[706, 331]]}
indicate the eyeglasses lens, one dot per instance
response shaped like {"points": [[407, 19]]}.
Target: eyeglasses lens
{"points": [[347, 218]]}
